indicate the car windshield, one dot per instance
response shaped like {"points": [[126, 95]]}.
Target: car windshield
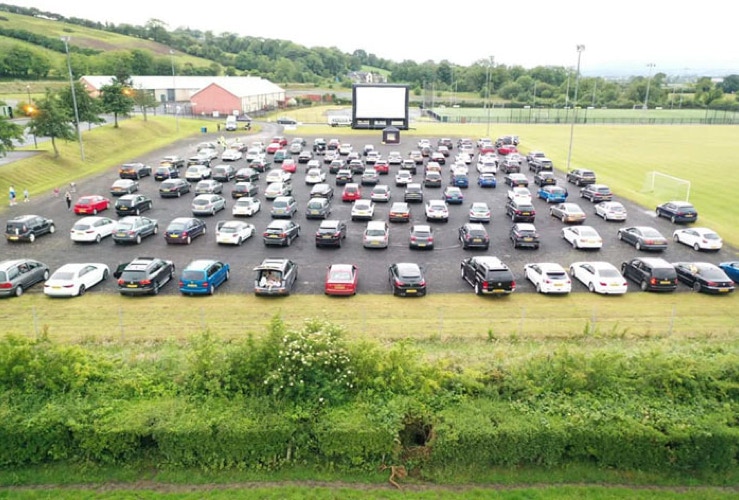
{"points": [[192, 275], [711, 273], [125, 226], [200, 202], [341, 275], [608, 273], [651, 233], [227, 229], [280, 204], [81, 226], [375, 232], [177, 226], [62, 275]]}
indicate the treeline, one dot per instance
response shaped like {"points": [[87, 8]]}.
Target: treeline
{"points": [[285, 62], [307, 396]]}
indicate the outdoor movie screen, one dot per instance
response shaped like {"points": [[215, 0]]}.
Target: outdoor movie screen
{"points": [[372, 102]]}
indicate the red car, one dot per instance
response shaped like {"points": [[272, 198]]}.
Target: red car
{"points": [[351, 192], [279, 139], [273, 147], [382, 167], [289, 165], [91, 205], [506, 149], [341, 279]]}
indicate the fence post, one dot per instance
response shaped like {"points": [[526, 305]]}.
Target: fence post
{"points": [[202, 319], [520, 324], [120, 321], [35, 322], [672, 319]]}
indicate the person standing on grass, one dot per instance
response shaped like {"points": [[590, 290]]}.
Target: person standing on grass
{"points": [[25, 195], [68, 199], [11, 194]]}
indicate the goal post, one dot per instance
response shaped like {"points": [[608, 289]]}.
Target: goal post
{"points": [[666, 187]]}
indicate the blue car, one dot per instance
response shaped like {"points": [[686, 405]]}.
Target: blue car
{"points": [[461, 181], [487, 180], [203, 276], [731, 269], [552, 194], [453, 195]]}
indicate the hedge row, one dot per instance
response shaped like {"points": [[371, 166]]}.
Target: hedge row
{"points": [[219, 433]]}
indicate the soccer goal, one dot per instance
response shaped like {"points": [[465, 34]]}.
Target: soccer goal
{"points": [[666, 187]]}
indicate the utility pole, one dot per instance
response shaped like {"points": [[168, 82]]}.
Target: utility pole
{"points": [[65, 39], [580, 49], [649, 81]]}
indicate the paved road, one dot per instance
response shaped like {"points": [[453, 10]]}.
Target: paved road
{"points": [[441, 264]]}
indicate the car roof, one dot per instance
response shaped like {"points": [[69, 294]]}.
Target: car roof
{"points": [[341, 267], [526, 226], [75, 266], [548, 266], [200, 264], [404, 267], [330, 223], [422, 227]]}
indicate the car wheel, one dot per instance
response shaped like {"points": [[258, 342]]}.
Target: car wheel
{"points": [[239, 242], [638, 245], [513, 217], [228, 275], [673, 219], [155, 290], [18, 291], [156, 230], [696, 286], [478, 288], [676, 238], [657, 213], [696, 247], [211, 289], [538, 288], [591, 287], [643, 285], [179, 193], [98, 238], [138, 239], [620, 236], [575, 245], [32, 237], [81, 291], [213, 211], [94, 211]]}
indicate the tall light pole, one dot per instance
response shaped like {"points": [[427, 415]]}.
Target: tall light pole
{"points": [[649, 81], [490, 65], [31, 111], [65, 39], [580, 49], [174, 92]]}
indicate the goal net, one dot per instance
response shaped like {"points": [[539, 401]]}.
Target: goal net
{"points": [[666, 187]]}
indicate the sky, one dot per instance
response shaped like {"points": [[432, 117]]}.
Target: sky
{"points": [[620, 37]]}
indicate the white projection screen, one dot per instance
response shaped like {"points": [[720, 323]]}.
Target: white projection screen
{"points": [[378, 106]]}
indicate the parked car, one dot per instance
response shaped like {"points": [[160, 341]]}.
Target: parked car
{"points": [[223, 173], [92, 229], [421, 237], [351, 192], [520, 211], [376, 235], [144, 275], [315, 176], [704, 277], [233, 232], [91, 205], [195, 173], [524, 234], [341, 279], [413, 193], [473, 235], [244, 189], [164, 172], [173, 188], [643, 238], [134, 171], [399, 212], [403, 177], [281, 232], [677, 211], [731, 268], [322, 190], [331, 233], [208, 204], [362, 210], [246, 206], [284, 207], [276, 189], [173, 161], [28, 227], [582, 237], [569, 213], [133, 229], [545, 178], [275, 276], [132, 204], [548, 277], [480, 212], [124, 186], [18, 275], [488, 275], [581, 177], [551, 193], [610, 210], [515, 179], [599, 277], [231, 155], [370, 177], [650, 273], [318, 208], [183, 230], [437, 210], [203, 276], [520, 193], [73, 280], [596, 193], [700, 238], [486, 180], [407, 279], [453, 195], [380, 193]]}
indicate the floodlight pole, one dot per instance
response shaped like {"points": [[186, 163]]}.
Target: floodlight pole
{"points": [[580, 49], [65, 39], [28, 90], [649, 81], [487, 86], [174, 91]]}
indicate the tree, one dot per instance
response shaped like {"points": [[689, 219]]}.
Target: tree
{"points": [[9, 132], [117, 98], [730, 84], [88, 108], [52, 119], [145, 100]]}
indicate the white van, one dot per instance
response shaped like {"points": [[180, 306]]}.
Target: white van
{"points": [[340, 121], [231, 124]]}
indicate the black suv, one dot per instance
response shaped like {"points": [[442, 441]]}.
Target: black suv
{"points": [[27, 227], [413, 193], [275, 277], [651, 273], [319, 146], [488, 275], [134, 171], [322, 190], [144, 275], [581, 177], [474, 235], [540, 164], [132, 204], [524, 235], [520, 211], [331, 233], [164, 172]]}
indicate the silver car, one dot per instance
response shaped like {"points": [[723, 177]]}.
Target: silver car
{"points": [[208, 204]]}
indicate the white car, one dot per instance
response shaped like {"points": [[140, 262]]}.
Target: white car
{"points": [[460, 169], [72, 280], [548, 277], [363, 210], [232, 155], [278, 175], [479, 212], [233, 232], [197, 173], [253, 153], [487, 167], [380, 193], [246, 206], [394, 158], [276, 189], [700, 238], [312, 164], [599, 277], [93, 228], [403, 177], [345, 149], [520, 193], [437, 210], [465, 158], [610, 210], [315, 176], [582, 237]]}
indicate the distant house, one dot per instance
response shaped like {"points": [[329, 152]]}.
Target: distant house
{"points": [[222, 95], [366, 77]]}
